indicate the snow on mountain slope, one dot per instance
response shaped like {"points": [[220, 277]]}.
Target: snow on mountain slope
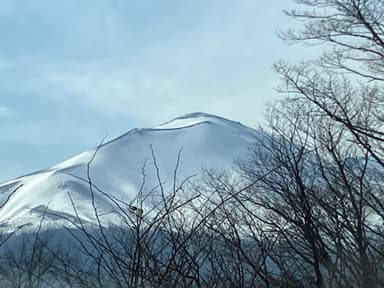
{"points": [[207, 141]]}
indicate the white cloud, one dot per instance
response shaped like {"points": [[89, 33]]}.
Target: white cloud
{"points": [[5, 112], [219, 62]]}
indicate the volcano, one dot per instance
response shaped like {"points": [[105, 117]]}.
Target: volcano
{"points": [[137, 161]]}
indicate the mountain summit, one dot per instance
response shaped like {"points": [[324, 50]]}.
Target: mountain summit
{"points": [[122, 166]]}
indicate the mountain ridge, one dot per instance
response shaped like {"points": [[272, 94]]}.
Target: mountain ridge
{"points": [[207, 141]]}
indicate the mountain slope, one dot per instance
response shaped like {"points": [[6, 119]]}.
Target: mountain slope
{"points": [[117, 169]]}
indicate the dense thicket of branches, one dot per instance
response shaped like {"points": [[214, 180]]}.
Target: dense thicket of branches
{"points": [[305, 209], [325, 195]]}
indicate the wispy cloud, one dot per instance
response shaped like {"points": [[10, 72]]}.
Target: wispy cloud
{"points": [[5, 112], [219, 64]]}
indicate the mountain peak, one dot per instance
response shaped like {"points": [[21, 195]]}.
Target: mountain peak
{"points": [[193, 119], [199, 115]]}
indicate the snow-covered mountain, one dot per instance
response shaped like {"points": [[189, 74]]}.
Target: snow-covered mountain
{"points": [[206, 141]]}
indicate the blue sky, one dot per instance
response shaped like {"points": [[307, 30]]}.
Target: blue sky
{"points": [[73, 71]]}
